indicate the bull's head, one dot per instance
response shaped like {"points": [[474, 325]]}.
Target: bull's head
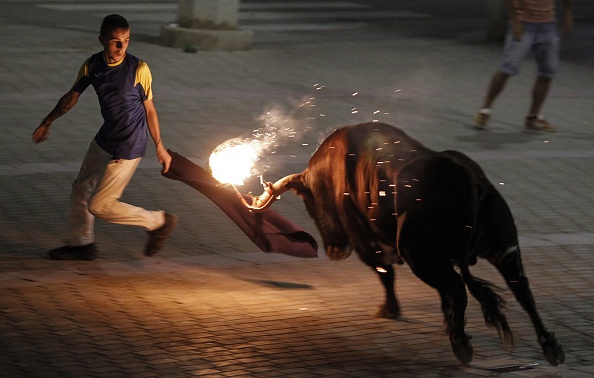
{"points": [[272, 192]]}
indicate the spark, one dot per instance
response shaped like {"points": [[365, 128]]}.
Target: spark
{"points": [[380, 269], [356, 93]]}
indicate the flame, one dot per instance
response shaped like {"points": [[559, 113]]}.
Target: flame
{"points": [[236, 160], [232, 162]]}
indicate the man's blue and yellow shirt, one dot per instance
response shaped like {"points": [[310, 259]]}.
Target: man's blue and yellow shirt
{"points": [[122, 88]]}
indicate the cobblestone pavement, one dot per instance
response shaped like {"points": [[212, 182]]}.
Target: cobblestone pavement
{"points": [[212, 304]]}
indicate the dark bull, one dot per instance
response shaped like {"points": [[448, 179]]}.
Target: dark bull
{"points": [[373, 189]]}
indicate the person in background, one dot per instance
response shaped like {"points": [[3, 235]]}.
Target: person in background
{"points": [[532, 27], [123, 85]]}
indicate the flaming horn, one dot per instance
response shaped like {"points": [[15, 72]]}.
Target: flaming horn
{"points": [[271, 193]]}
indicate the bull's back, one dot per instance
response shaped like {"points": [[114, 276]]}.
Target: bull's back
{"points": [[354, 157], [352, 182]]}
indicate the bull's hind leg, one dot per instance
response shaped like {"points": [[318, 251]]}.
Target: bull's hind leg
{"points": [[513, 271], [452, 291], [491, 304]]}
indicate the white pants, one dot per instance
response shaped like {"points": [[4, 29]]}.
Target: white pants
{"points": [[96, 193]]}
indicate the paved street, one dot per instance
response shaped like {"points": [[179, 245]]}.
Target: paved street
{"points": [[212, 304]]}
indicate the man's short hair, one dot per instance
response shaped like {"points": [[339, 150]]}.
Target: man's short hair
{"points": [[112, 22]]}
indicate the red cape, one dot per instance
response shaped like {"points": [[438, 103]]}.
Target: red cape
{"points": [[269, 230]]}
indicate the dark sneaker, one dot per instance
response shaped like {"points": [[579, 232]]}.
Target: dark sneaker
{"points": [[157, 237], [83, 252]]}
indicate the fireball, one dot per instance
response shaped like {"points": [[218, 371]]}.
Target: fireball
{"points": [[232, 162]]}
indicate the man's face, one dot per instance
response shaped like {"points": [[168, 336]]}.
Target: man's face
{"points": [[115, 44]]}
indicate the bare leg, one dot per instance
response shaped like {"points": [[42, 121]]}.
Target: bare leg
{"points": [[495, 87], [539, 94]]}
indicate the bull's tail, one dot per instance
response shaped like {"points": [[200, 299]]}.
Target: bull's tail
{"points": [[491, 304]]}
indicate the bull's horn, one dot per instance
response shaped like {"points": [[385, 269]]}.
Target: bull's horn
{"points": [[271, 193]]}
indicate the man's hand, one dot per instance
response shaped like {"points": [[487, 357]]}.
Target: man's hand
{"points": [[567, 23], [41, 133], [517, 30], [164, 157], [65, 103]]}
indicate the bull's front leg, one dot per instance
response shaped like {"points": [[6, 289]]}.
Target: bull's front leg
{"points": [[390, 309]]}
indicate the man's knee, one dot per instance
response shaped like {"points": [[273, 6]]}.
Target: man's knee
{"points": [[98, 208]]}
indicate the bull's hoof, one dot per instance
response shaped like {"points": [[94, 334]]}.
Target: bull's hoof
{"points": [[553, 351], [388, 312], [463, 350]]}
